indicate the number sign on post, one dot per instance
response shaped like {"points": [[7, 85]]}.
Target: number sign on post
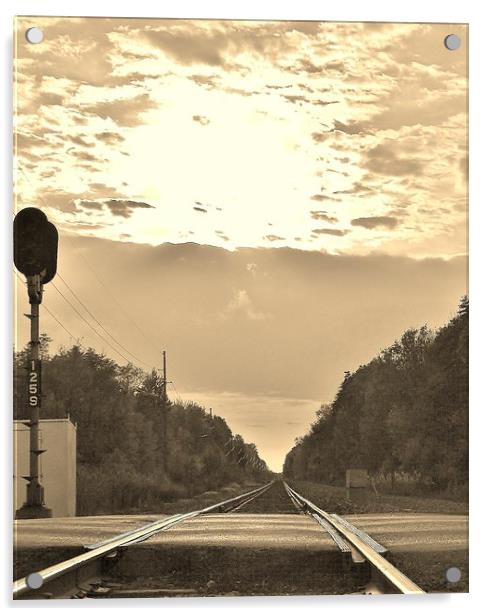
{"points": [[34, 383]]}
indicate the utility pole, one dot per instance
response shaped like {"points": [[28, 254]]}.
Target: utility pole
{"points": [[164, 375], [165, 417]]}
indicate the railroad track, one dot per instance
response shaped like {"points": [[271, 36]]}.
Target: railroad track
{"points": [[66, 578], [384, 577], [74, 577]]}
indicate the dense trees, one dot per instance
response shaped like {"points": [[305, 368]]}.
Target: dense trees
{"points": [[405, 412], [134, 449]]}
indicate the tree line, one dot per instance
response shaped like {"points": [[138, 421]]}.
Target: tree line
{"points": [[402, 415], [135, 447]]}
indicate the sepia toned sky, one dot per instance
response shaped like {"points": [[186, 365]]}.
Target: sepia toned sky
{"points": [[272, 202]]}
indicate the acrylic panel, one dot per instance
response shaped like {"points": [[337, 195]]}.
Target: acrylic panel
{"points": [[241, 312]]}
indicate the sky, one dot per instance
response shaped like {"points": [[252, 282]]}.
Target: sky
{"points": [[271, 202]]}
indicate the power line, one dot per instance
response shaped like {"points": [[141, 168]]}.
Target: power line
{"points": [[116, 301], [59, 322], [49, 311], [90, 325], [100, 324], [172, 385], [87, 322]]}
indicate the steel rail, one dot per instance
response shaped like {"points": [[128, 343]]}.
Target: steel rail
{"points": [[382, 566], [110, 546], [244, 503]]}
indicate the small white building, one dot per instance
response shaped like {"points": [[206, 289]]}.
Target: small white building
{"points": [[57, 465]]}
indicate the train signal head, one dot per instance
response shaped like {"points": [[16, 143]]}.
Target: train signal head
{"points": [[35, 244], [51, 253]]}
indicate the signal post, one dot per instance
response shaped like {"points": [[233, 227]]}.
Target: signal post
{"points": [[35, 255]]}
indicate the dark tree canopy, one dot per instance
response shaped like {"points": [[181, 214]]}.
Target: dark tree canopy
{"points": [[123, 423], [406, 411]]}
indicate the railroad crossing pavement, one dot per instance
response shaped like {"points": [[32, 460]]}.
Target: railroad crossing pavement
{"points": [[415, 532], [397, 531], [239, 545]]}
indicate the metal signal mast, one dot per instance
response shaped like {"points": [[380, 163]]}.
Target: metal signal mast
{"points": [[35, 256]]}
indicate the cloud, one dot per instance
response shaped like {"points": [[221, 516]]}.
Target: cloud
{"points": [[201, 119], [278, 87], [118, 207], [130, 55], [324, 216], [372, 222], [71, 45], [310, 28], [124, 208], [320, 137], [189, 45], [109, 137], [82, 155], [241, 304], [399, 112], [273, 238], [349, 129], [91, 205], [323, 103], [200, 209], [384, 159], [306, 66], [252, 268], [25, 141], [359, 189], [337, 232], [217, 43], [61, 200], [411, 109], [223, 236], [354, 128], [211, 81], [86, 226], [240, 91], [294, 98], [79, 140], [101, 188], [123, 111], [50, 98]]}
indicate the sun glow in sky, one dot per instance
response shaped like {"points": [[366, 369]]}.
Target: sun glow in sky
{"points": [[321, 136], [274, 202]]}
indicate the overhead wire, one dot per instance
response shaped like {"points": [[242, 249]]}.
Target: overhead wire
{"points": [[49, 311], [89, 324], [59, 322], [115, 300], [100, 324]]}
